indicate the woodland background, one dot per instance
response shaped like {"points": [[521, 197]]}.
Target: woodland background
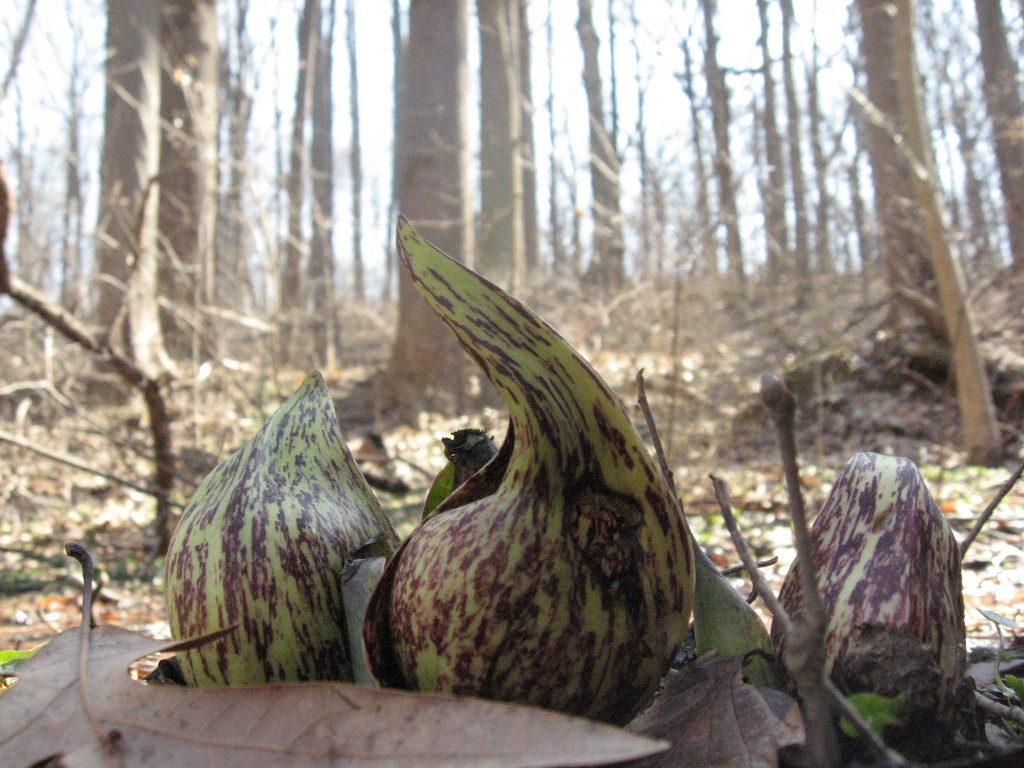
{"points": [[205, 197]]}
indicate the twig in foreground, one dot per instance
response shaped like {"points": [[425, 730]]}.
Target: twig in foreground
{"points": [[987, 513], [819, 694], [106, 738], [71, 461], [1016, 714]]}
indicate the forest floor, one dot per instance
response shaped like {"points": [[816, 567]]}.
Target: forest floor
{"points": [[858, 389]]}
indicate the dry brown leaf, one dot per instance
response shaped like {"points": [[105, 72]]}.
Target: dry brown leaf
{"points": [[314, 724], [715, 720]]}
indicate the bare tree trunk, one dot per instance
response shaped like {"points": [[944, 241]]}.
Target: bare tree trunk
{"points": [[355, 154], [801, 240], [425, 365], [129, 195], [823, 260], [20, 38], [320, 271], [860, 226], [1002, 96], [776, 231], [709, 249], [558, 253], [719, 95], [400, 47], [606, 267], [613, 82], [528, 149], [500, 243], [903, 245], [188, 156], [71, 288], [977, 413], [233, 280], [291, 293], [644, 260]]}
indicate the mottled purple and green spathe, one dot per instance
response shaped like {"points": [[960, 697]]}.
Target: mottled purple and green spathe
{"points": [[560, 575], [889, 572], [262, 545]]}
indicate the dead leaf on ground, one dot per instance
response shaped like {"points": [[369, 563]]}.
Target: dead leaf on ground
{"points": [[314, 724], [714, 720]]}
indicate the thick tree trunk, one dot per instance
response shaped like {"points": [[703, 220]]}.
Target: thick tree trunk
{"points": [[977, 413], [606, 267], [291, 292], [234, 284], [719, 96], [709, 249], [823, 259], [776, 231], [801, 240], [126, 238], [188, 163], [1002, 96], [500, 234], [903, 245], [559, 256], [355, 154], [528, 149], [426, 365], [321, 247]]}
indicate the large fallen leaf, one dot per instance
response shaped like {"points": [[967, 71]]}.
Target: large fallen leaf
{"points": [[714, 720], [314, 724]]}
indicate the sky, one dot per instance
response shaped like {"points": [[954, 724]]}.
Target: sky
{"points": [[66, 29]]}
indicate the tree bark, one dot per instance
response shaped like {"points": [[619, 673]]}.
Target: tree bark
{"points": [[355, 154], [823, 259], [559, 256], [977, 413], [528, 149], [801, 240], [425, 369], [232, 228], [902, 241], [500, 233], [291, 292], [606, 267], [776, 231], [126, 239], [188, 162], [719, 96], [1002, 97], [320, 270], [709, 249]]}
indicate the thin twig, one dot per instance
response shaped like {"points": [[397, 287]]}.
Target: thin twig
{"points": [[987, 513], [804, 652], [79, 553], [700, 556], [1016, 714], [778, 613], [659, 451], [780, 403], [810, 683], [760, 564], [73, 329], [71, 461]]}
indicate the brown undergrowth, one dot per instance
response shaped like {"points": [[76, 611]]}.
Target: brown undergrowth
{"points": [[859, 388]]}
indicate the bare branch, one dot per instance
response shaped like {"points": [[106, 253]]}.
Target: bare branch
{"points": [[987, 513], [819, 693], [71, 328], [18, 49], [71, 461]]}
